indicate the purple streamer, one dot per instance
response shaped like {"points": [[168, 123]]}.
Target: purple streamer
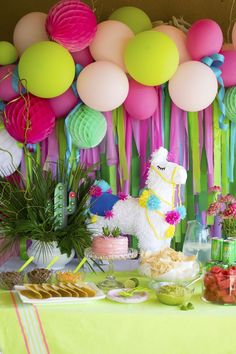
{"points": [[209, 145]]}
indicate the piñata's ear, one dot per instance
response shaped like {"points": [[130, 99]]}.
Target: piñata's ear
{"points": [[159, 156]]}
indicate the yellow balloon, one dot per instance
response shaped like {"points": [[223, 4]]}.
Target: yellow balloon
{"points": [[151, 58]]}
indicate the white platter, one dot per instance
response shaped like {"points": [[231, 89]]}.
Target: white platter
{"points": [[113, 295], [61, 300]]}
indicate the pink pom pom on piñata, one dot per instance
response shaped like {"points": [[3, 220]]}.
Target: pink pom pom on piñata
{"points": [[108, 214], [172, 217], [95, 191], [72, 24]]}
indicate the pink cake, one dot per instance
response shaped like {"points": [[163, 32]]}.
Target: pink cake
{"points": [[107, 246]]}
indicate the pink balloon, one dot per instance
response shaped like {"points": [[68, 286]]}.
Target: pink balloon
{"points": [[102, 86], [63, 104], [228, 68], [72, 24], [204, 38], [7, 92], [110, 42], [141, 101], [179, 38], [193, 87], [38, 114], [83, 57]]}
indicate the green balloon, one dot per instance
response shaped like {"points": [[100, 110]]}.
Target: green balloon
{"points": [[86, 126], [46, 69], [230, 104], [8, 53], [134, 18], [151, 58]]}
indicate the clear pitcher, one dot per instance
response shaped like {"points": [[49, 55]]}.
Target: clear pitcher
{"points": [[197, 241]]}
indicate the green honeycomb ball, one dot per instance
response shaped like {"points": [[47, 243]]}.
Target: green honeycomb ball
{"points": [[230, 104]]}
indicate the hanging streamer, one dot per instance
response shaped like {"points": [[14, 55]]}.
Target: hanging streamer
{"points": [[232, 151], [217, 145], [195, 150]]}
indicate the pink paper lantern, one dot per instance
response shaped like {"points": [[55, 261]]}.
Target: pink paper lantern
{"points": [[8, 91], [63, 104], [141, 101], [204, 38], [72, 24], [228, 68], [83, 57], [29, 119]]}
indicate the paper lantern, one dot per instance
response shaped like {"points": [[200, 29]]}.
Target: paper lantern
{"points": [[10, 86], [136, 19], [110, 41], [63, 104], [102, 86], [29, 119], [8, 53], [10, 154], [204, 38], [141, 101], [151, 58], [46, 69], [86, 126], [228, 68], [30, 29], [230, 104], [72, 24], [193, 87], [179, 38]]}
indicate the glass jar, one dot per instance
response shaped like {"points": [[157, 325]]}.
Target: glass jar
{"points": [[219, 285]]}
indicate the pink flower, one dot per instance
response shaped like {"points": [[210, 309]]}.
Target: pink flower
{"points": [[172, 217], [122, 196], [230, 211], [214, 208], [109, 191], [108, 214], [95, 191], [216, 189], [228, 198]]}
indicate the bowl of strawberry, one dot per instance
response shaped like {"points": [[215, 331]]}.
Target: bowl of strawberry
{"points": [[220, 285]]}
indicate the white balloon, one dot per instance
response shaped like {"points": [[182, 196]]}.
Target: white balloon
{"points": [[10, 154]]}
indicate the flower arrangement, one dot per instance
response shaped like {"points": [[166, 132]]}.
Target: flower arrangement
{"points": [[225, 207]]}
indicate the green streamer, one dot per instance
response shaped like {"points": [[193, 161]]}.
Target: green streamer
{"points": [[61, 138], [112, 178], [225, 159], [217, 144], [135, 171], [167, 115], [203, 195], [195, 149]]}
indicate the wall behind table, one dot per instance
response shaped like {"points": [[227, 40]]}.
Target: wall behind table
{"points": [[12, 10]]}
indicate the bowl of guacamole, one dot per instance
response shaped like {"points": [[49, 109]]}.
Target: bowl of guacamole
{"points": [[173, 294]]}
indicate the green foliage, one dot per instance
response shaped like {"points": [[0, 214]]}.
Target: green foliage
{"points": [[108, 232], [116, 232], [27, 209]]}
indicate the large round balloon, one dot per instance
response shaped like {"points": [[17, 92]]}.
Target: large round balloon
{"points": [[30, 29], [83, 57], [86, 126], [179, 38], [228, 68], [8, 53], [47, 69], [10, 154], [151, 58], [230, 104], [136, 19], [141, 101], [102, 86], [204, 38], [193, 87], [72, 24], [110, 41], [29, 119], [10, 86], [63, 104]]}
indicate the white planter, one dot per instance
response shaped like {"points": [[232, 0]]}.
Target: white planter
{"points": [[42, 259]]}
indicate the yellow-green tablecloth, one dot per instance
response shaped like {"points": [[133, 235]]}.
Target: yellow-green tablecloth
{"points": [[105, 327]]}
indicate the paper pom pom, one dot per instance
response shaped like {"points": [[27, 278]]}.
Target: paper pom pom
{"points": [[228, 198], [122, 196], [172, 217], [72, 24], [86, 126], [10, 154], [105, 188], [95, 191], [108, 214], [214, 189], [153, 203], [170, 231], [143, 198], [214, 209], [93, 219], [29, 119], [182, 211]]}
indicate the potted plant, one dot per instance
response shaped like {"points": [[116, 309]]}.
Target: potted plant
{"points": [[225, 207], [50, 211]]}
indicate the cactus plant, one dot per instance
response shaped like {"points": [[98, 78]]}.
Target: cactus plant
{"points": [[61, 210]]}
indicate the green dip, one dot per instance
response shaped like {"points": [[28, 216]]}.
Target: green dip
{"points": [[173, 294]]}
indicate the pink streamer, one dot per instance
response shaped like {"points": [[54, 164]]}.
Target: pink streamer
{"points": [[128, 140], [156, 130], [176, 120], [111, 151], [209, 145], [201, 134], [186, 143], [136, 131], [143, 151], [53, 152]]}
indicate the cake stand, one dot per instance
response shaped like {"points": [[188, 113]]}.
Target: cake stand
{"points": [[110, 281]]}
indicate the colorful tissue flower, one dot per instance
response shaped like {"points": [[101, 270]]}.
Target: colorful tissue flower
{"points": [[172, 217], [215, 189], [108, 214], [144, 198], [230, 211], [214, 208], [95, 191], [228, 198], [153, 203], [122, 196]]}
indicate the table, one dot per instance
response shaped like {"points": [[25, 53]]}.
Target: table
{"points": [[104, 327]]}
